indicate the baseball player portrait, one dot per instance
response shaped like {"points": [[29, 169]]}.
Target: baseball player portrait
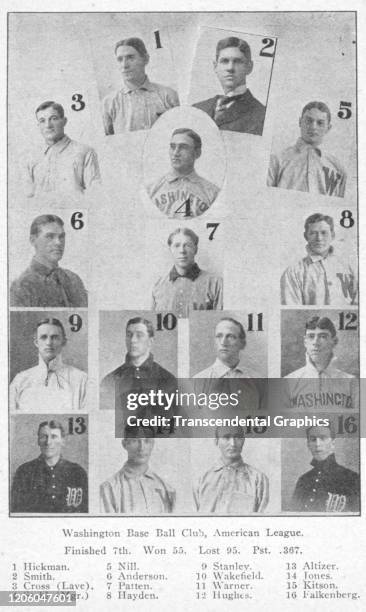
{"points": [[44, 283], [186, 287], [139, 102], [50, 483], [237, 110], [231, 486], [182, 188], [135, 488], [63, 165], [51, 383], [139, 373], [307, 166], [319, 384], [320, 278], [328, 486]]}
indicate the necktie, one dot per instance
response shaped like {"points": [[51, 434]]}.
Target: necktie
{"points": [[222, 104]]}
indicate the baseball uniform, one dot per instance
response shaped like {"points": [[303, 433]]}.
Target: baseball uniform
{"points": [[55, 386], [127, 492], [65, 166], [319, 280], [328, 487], [197, 290], [48, 288], [307, 168], [237, 488], [172, 192], [136, 109], [38, 487]]}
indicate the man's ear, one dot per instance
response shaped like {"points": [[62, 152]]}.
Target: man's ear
{"points": [[65, 121], [147, 59], [249, 67]]}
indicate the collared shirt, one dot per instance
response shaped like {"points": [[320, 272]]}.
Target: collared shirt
{"points": [[137, 109], [307, 168], [56, 387], [46, 288], [219, 370], [38, 487], [145, 493], [129, 378], [232, 489], [172, 193], [319, 280], [328, 487], [64, 166], [180, 294], [307, 388]]}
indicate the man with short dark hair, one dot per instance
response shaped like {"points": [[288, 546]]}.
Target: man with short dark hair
{"points": [[319, 384], [65, 165], [140, 373], [51, 383], [306, 166], [231, 486], [328, 487], [186, 287], [50, 483], [136, 489], [139, 102], [320, 278], [182, 189], [44, 283], [237, 110]]}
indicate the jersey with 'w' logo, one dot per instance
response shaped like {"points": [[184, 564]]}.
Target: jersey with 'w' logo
{"points": [[307, 168]]}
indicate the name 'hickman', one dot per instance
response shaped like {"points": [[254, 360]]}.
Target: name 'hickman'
{"points": [[179, 421]]}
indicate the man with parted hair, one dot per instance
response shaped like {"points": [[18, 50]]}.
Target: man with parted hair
{"points": [[139, 102], [237, 110], [44, 283], [52, 384], [231, 486], [307, 166], [140, 373], [135, 488], [50, 483], [182, 190], [319, 384], [186, 287], [320, 278], [65, 165], [328, 486]]}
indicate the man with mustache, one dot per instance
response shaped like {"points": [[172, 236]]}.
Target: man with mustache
{"points": [[44, 283], [320, 278], [306, 166]]}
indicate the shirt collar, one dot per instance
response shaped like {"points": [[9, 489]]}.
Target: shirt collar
{"points": [[238, 91], [58, 146], [174, 176], [326, 464], [301, 145], [312, 372], [128, 473], [145, 86], [192, 273], [54, 365], [238, 465], [146, 365], [40, 268], [314, 258], [59, 463], [220, 369]]}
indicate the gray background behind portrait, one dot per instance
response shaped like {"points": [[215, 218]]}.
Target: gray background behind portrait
{"points": [[112, 345], [292, 341], [23, 352], [296, 458], [24, 441], [202, 341]]}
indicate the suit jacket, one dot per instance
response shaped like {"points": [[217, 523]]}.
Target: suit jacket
{"points": [[244, 115]]}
